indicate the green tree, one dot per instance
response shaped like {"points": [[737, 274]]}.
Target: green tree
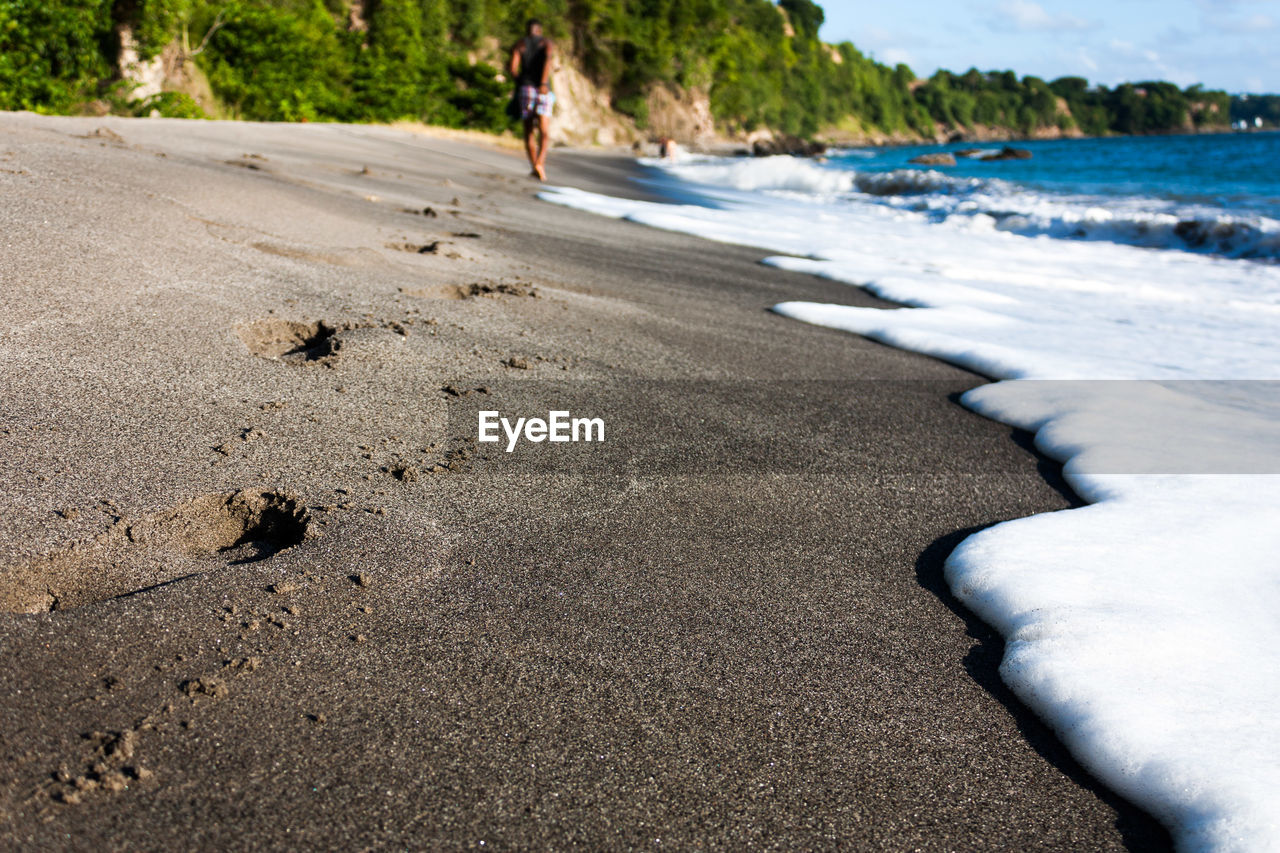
{"points": [[54, 54], [277, 64], [806, 16]]}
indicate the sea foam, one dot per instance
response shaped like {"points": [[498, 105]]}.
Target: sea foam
{"points": [[1142, 627]]}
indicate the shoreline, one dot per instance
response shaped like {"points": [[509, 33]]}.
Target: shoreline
{"points": [[719, 654]]}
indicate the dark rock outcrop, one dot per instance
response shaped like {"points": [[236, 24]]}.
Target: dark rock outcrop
{"points": [[792, 145], [1008, 153], [944, 159]]}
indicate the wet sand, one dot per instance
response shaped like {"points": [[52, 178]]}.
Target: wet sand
{"points": [[262, 589]]}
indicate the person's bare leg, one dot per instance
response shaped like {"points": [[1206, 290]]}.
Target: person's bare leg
{"points": [[540, 164], [529, 148]]}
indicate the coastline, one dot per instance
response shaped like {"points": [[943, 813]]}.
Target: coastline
{"points": [[723, 654]]}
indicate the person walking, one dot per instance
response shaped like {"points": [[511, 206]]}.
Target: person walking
{"points": [[531, 62]]}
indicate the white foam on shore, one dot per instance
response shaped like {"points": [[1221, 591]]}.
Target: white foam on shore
{"points": [[1143, 627]]}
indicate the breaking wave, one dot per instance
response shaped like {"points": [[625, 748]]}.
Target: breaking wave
{"points": [[989, 203]]}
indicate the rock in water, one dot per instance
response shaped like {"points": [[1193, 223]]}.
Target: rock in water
{"points": [[943, 159], [1008, 153], [792, 145]]}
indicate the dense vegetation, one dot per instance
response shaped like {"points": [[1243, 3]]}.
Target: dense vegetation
{"points": [[52, 53], [1250, 107], [436, 60], [1000, 99]]}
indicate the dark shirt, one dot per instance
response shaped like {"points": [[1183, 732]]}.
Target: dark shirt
{"points": [[533, 59]]}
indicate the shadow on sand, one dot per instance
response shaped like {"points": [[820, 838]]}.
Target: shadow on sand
{"points": [[1138, 829]]}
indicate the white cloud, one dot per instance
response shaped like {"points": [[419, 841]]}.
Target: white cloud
{"points": [[1025, 16]]}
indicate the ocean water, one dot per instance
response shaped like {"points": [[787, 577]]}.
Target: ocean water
{"points": [[1214, 193], [1143, 626], [1211, 193], [1231, 173]]}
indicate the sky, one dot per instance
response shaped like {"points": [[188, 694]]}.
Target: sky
{"points": [[1224, 44]]}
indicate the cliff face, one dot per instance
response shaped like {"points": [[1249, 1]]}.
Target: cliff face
{"points": [[988, 133], [171, 70], [682, 115], [583, 114]]}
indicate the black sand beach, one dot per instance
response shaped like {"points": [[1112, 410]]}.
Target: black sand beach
{"points": [[295, 605]]}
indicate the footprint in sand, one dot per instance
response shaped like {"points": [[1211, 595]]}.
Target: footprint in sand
{"points": [[104, 135], [252, 162], [490, 289], [291, 341], [339, 258], [438, 248], [205, 534], [301, 343], [430, 248]]}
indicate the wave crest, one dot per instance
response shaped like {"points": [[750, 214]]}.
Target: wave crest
{"points": [[912, 182], [1209, 233], [766, 173]]}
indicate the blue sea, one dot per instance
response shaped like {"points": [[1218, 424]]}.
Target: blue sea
{"points": [[1218, 193], [1236, 171]]}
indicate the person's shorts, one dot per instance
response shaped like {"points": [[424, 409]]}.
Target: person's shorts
{"points": [[535, 103]]}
